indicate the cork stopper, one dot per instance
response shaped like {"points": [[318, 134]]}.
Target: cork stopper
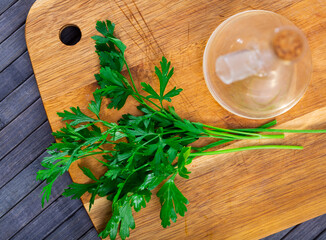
{"points": [[288, 44]]}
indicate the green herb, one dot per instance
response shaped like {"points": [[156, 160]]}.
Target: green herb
{"points": [[155, 147]]}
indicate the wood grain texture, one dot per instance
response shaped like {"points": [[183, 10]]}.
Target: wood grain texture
{"points": [[70, 230], [15, 74], [12, 47], [16, 189], [25, 153], [4, 5], [17, 101], [322, 236], [21, 127], [280, 235], [315, 226], [14, 17], [91, 234], [28, 208], [236, 196], [59, 211]]}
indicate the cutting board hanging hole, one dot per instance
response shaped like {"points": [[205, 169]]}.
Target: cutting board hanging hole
{"points": [[70, 34]]}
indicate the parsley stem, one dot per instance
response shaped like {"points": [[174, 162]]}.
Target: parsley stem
{"points": [[94, 153], [151, 102], [116, 197], [231, 131], [141, 98], [284, 130], [246, 148], [217, 136], [220, 142], [258, 136], [158, 112], [144, 98], [173, 176], [269, 124], [131, 79], [173, 132]]}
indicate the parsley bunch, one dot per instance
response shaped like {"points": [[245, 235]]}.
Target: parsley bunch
{"points": [[145, 149]]}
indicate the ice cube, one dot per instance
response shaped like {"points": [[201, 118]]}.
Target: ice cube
{"points": [[238, 65]]}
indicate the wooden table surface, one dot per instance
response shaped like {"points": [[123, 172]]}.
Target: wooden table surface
{"points": [[24, 136]]}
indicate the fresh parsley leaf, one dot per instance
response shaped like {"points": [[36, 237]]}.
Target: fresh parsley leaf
{"points": [[88, 173], [183, 156], [69, 133], [46, 192], [139, 199], [189, 127], [108, 40], [76, 190], [122, 215], [95, 106], [174, 92], [164, 76], [151, 181], [158, 158], [149, 89], [76, 115], [113, 171], [111, 228], [113, 60], [127, 220], [173, 113], [114, 86], [172, 201], [105, 27]]}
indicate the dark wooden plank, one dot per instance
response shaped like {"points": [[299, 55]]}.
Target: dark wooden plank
{"points": [[30, 207], [12, 48], [5, 4], [279, 235], [308, 230], [50, 219], [17, 101], [322, 236], [20, 186], [69, 229], [25, 153], [15, 74], [16, 131], [14, 17], [90, 235]]}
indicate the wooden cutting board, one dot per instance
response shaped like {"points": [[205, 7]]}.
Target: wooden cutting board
{"points": [[245, 195]]}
